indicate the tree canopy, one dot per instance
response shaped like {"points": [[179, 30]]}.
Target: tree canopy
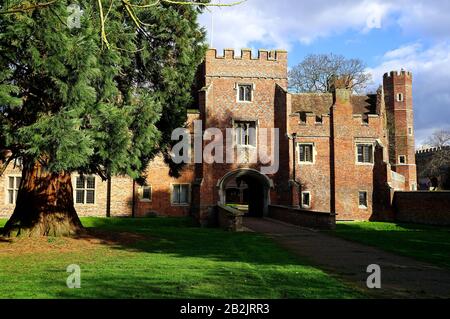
{"points": [[74, 104], [315, 73]]}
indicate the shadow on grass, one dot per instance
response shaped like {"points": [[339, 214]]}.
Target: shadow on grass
{"points": [[207, 283], [181, 237], [423, 242], [174, 259]]}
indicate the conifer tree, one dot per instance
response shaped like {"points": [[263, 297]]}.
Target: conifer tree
{"points": [[72, 102]]}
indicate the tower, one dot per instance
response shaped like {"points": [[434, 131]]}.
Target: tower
{"points": [[400, 122]]}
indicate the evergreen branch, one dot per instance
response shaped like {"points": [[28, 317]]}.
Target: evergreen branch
{"points": [[205, 4], [109, 10], [22, 9], [102, 24], [128, 6], [146, 5]]}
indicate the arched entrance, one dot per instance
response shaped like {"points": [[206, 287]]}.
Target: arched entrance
{"points": [[248, 189]]}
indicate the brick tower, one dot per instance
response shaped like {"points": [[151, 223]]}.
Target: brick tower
{"points": [[399, 107]]}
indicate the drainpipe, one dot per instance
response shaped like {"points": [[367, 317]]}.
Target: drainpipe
{"points": [[108, 196], [293, 137], [108, 191], [294, 177], [133, 202]]}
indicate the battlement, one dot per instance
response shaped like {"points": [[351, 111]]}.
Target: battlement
{"points": [[432, 150], [230, 65], [246, 54], [311, 119], [369, 120], [398, 74]]}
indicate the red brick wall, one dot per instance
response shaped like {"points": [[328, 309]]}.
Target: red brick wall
{"points": [[334, 180], [267, 74], [121, 196], [401, 118], [431, 208], [161, 184], [315, 178], [302, 218]]}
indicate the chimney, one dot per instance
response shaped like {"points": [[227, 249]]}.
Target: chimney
{"points": [[341, 88]]}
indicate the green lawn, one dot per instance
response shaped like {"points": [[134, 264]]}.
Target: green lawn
{"points": [[171, 258], [426, 243]]}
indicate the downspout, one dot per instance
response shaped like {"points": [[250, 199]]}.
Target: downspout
{"points": [[133, 202]]}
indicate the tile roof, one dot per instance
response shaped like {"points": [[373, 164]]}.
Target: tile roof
{"points": [[320, 103]]}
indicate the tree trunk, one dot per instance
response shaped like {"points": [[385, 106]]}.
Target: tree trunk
{"points": [[44, 205]]}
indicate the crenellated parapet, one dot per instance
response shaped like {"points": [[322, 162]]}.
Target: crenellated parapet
{"points": [[398, 74], [266, 65], [371, 120], [247, 54], [432, 150], [310, 119]]}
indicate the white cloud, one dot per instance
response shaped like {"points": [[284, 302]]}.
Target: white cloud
{"points": [[431, 83], [281, 23]]}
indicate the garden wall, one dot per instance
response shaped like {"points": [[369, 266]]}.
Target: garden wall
{"points": [[229, 218], [303, 218], [432, 208]]}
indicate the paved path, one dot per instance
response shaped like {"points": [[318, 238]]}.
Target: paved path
{"points": [[401, 277]]}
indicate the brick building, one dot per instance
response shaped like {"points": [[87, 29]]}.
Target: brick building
{"points": [[336, 152]]}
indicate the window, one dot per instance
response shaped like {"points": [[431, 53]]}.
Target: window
{"points": [[399, 97], [306, 199], [245, 133], [146, 193], [180, 194], [85, 190], [413, 187], [245, 92], [306, 153], [402, 159], [365, 153], [363, 199], [13, 188], [410, 131]]}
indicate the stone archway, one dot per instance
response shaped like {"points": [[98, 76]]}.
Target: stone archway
{"points": [[258, 189]]}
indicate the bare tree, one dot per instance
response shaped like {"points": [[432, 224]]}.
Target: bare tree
{"points": [[438, 165], [440, 138], [315, 72]]}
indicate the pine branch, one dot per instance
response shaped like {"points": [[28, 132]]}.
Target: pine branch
{"points": [[128, 6], [23, 9]]}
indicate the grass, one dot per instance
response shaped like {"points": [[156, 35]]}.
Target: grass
{"points": [[166, 258], [426, 243]]}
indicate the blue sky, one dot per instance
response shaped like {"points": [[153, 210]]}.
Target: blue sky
{"points": [[388, 35]]}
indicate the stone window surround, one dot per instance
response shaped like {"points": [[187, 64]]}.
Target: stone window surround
{"points": [[367, 199], [368, 143], [188, 195], [75, 188], [15, 188], [314, 152], [253, 88], [141, 193], [302, 200], [256, 121]]}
